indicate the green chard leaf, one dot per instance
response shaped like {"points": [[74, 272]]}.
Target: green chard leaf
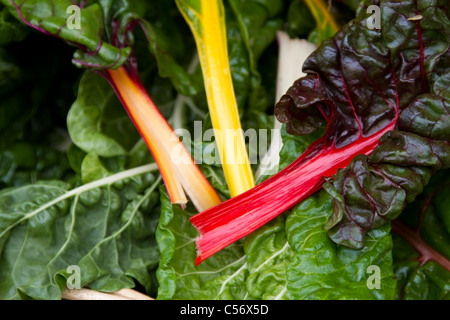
{"points": [[221, 277], [102, 32], [105, 228], [422, 244], [104, 225], [10, 28], [97, 122], [268, 257], [322, 270], [53, 18], [254, 269]]}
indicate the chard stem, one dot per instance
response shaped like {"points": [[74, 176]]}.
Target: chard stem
{"points": [[237, 217], [88, 294], [177, 168], [210, 34], [414, 238]]}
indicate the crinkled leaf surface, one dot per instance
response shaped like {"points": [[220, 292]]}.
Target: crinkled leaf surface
{"points": [[364, 83], [322, 270], [105, 228], [268, 256], [429, 214], [97, 122], [255, 269], [222, 277], [167, 36]]}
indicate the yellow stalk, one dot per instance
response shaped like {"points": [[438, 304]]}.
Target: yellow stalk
{"points": [[207, 23], [321, 13], [326, 25], [177, 168]]}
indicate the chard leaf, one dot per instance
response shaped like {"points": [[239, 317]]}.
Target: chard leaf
{"points": [[254, 270], [166, 32], [294, 145], [268, 256], [97, 122], [322, 270], [388, 86], [252, 28], [105, 228], [104, 35], [10, 29], [267, 252], [428, 282], [422, 242], [300, 21], [221, 277], [50, 17]]}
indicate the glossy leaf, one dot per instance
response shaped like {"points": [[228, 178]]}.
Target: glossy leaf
{"points": [[268, 256], [89, 117], [422, 242], [358, 83], [369, 192], [253, 26], [104, 35], [105, 228], [322, 270], [223, 277]]}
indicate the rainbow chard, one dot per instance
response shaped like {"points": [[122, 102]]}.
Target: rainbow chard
{"points": [[103, 34], [385, 97], [206, 18]]}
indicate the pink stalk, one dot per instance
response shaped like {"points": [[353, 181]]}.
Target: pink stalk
{"points": [[233, 219]]}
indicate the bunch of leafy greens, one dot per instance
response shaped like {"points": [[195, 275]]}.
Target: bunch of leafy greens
{"points": [[79, 186]]}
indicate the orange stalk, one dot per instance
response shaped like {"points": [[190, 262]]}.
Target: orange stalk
{"points": [[177, 168]]}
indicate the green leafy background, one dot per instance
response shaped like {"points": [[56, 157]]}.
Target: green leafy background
{"points": [[79, 187]]}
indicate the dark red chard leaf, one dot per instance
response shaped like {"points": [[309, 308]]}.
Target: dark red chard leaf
{"points": [[375, 189], [371, 191], [359, 81]]}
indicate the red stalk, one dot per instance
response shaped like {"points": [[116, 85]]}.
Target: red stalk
{"points": [[233, 219]]}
